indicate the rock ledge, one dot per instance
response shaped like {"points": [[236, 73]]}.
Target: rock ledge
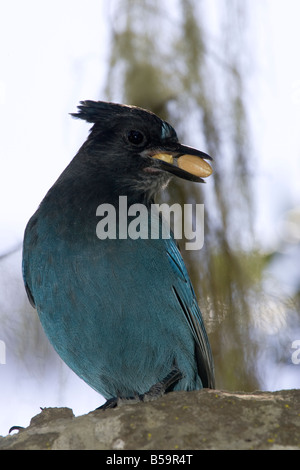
{"points": [[206, 419]]}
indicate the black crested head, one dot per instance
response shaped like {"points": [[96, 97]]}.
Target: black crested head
{"points": [[103, 114], [104, 111], [135, 152]]}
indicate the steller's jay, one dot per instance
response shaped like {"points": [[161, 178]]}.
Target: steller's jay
{"points": [[120, 311]]}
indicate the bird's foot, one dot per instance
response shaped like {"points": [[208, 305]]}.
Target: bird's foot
{"points": [[111, 403], [160, 388], [157, 390], [119, 401]]}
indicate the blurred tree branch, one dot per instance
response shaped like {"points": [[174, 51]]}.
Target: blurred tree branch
{"points": [[162, 61]]}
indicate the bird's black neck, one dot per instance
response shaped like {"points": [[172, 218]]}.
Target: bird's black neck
{"points": [[84, 181]]}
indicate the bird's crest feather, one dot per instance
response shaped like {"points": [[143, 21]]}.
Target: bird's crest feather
{"points": [[98, 111]]}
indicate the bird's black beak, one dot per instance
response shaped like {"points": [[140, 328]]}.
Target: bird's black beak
{"points": [[183, 161]]}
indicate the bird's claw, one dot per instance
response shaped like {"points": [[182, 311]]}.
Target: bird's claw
{"points": [[15, 428], [156, 391]]}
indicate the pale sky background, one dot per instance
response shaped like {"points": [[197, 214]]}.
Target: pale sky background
{"points": [[52, 55]]}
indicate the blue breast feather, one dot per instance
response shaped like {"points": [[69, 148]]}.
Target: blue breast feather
{"points": [[120, 313]]}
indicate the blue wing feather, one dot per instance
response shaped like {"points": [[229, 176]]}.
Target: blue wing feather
{"points": [[185, 295]]}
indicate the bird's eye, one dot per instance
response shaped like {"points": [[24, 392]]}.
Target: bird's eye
{"points": [[135, 137]]}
